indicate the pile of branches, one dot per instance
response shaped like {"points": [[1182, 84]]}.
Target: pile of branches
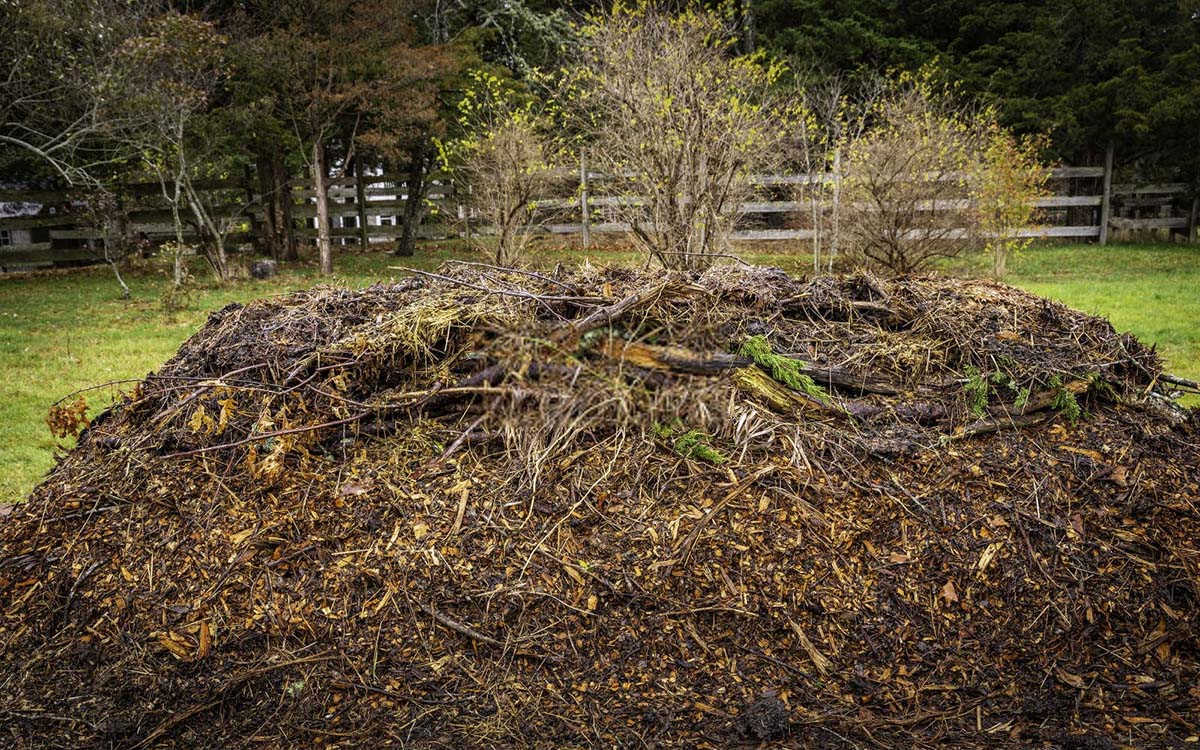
{"points": [[490, 506]]}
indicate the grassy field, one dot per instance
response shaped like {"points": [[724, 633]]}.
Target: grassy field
{"points": [[60, 333]]}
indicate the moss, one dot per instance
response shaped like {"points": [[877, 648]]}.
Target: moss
{"points": [[689, 443], [783, 369]]}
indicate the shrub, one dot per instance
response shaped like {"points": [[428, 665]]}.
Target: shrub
{"points": [[678, 121], [1009, 179], [931, 176], [504, 157], [906, 178]]}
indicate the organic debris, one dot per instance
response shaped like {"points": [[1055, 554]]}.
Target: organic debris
{"points": [[483, 507]]}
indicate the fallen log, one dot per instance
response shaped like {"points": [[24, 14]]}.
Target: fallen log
{"points": [[758, 384], [679, 359]]}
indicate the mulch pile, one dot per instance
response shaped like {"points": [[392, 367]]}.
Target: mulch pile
{"points": [[490, 507]]}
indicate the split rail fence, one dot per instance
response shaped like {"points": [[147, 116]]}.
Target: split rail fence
{"points": [[39, 229]]}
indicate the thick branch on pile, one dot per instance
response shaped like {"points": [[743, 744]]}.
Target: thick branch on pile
{"points": [[1183, 383], [746, 374], [758, 384], [888, 315], [984, 426], [684, 360], [1034, 412]]}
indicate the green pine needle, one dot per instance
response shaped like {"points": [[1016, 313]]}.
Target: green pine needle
{"points": [[783, 369]]}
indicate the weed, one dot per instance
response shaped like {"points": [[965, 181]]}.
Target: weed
{"points": [[1022, 399], [1065, 401], [689, 443]]}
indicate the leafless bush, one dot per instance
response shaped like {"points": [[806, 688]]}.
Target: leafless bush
{"points": [[907, 179], [931, 176], [505, 159], [678, 121]]}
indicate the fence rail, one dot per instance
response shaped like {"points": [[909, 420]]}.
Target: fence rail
{"points": [[1085, 205]]}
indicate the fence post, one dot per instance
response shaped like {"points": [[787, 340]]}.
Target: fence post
{"points": [[360, 196], [1106, 195], [583, 199]]}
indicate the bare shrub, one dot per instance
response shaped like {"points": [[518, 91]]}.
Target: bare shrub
{"points": [[503, 155], [906, 179], [932, 176], [831, 115], [678, 121]]}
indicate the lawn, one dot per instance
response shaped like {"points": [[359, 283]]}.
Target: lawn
{"points": [[60, 333]]}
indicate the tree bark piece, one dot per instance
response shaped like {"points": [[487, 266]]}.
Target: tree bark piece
{"points": [[678, 359]]}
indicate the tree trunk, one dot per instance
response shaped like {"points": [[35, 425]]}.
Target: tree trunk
{"points": [[836, 229], [269, 241], [282, 190], [324, 248], [360, 197], [414, 201], [177, 261]]}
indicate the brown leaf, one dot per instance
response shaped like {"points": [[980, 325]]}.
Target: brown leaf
{"points": [[948, 593], [1077, 523], [205, 640], [1118, 476]]}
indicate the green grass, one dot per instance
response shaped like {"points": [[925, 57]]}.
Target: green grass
{"points": [[65, 332]]}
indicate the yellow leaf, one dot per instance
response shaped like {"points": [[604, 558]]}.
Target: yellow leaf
{"points": [[420, 530], [198, 420]]}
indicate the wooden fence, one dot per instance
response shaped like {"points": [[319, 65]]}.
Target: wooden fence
{"points": [[1084, 205]]}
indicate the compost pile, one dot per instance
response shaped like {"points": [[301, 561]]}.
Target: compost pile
{"points": [[601, 507]]}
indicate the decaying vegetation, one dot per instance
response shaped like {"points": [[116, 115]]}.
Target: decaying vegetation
{"points": [[491, 506]]}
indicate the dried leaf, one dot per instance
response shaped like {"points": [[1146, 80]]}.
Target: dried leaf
{"points": [[948, 593]]}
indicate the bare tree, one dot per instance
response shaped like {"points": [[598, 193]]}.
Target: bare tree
{"points": [[173, 69], [58, 58], [678, 121], [107, 213]]}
